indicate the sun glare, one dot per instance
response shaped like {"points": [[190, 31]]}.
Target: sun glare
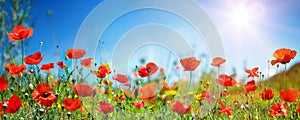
{"points": [[244, 15]]}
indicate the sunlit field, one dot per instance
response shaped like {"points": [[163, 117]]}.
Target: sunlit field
{"points": [[33, 87]]}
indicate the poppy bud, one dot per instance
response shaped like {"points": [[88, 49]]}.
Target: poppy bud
{"points": [[12, 89], [31, 71], [41, 111], [57, 46], [4, 117], [41, 43], [69, 114], [73, 80], [31, 86], [56, 95], [26, 95], [4, 106]]}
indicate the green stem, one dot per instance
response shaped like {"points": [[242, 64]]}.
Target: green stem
{"points": [[22, 47], [190, 81], [284, 75]]}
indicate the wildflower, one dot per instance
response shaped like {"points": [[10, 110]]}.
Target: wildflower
{"points": [[105, 108], [44, 95], [218, 61], [87, 62], [16, 70], [190, 64], [181, 108], [139, 104], [3, 84], [75, 53], [83, 90], [61, 65], [103, 70], [283, 56], [12, 105], [20, 33], [253, 72], [225, 109], [120, 78], [34, 59], [289, 95], [47, 67], [71, 104], [148, 70], [226, 80], [278, 110], [267, 94], [250, 86]]}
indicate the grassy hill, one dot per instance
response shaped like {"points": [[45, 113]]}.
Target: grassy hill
{"points": [[292, 78]]}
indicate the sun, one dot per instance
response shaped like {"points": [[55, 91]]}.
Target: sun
{"points": [[244, 15], [241, 16]]}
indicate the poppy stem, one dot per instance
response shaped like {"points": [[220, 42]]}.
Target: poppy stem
{"points": [[218, 71], [284, 75], [22, 47], [268, 68], [190, 80]]}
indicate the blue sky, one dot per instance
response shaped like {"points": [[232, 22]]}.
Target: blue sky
{"points": [[250, 31]]}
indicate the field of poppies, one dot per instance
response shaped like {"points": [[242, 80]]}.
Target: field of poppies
{"points": [[31, 90]]}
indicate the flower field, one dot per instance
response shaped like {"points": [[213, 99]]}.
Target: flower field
{"points": [[31, 90]]}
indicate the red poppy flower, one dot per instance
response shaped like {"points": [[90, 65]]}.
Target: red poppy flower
{"points": [[3, 84], [267, 94], [75, 53], [34, 59], [19, 33], [44, 95], [148, 70], [289, 95], [226, 80], [298, 108], [47, 67], [61, 65], [148, 91], [206, 96], [83, 90], [283, 56], [139, 104], [120, 78], [103, 70], [16, 70], [7, 66], [105, 108], [181, 108], [87, 62], [224, 109], [12, 105], [250, 86], [190, 64], [278, 110], [71, 104], [218, 61], [253, 72]]}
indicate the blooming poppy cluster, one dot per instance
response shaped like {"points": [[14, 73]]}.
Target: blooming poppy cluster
{"points": [[72, 93]]}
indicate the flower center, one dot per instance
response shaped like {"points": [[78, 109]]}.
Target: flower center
{"points": [[46, 94]]}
